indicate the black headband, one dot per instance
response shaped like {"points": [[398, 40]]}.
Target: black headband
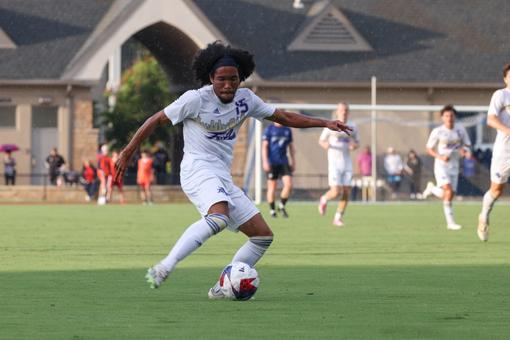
{"points": [[224, 61]]}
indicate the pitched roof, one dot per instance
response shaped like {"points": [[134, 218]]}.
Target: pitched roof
{"points": [[413, 41], [47, 36]]}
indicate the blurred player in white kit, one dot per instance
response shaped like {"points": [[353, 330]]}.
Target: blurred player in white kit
{"points": [[498, 117], [339, 146], [447, 143]]}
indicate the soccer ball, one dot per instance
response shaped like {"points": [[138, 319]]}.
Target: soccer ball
{"points": [[239, 281]]}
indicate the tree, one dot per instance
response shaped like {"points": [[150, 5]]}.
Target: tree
{"points": [[144, 90]]}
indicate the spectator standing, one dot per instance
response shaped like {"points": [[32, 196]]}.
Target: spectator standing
{"points": [[89, 180], [364, 161], [119, 183], [160, 158], [54, 163], [413, 169], [9, 168], [393, 166], [145, 177], [104, 173]]}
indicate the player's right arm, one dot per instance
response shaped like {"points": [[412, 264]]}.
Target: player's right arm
{"points": [[324, 139], [495, 107], [265, 157], [141, 134], [494, 122], [431, 146]]}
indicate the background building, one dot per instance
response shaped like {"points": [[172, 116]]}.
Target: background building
{"points": [[58, 56]]}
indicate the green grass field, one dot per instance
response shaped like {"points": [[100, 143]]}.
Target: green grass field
{"points": [[395, 272]]}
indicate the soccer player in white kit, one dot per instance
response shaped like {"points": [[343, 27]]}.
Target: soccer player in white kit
{"points": [[212, 116], [447, 143], [339, 146], [498, 117]]}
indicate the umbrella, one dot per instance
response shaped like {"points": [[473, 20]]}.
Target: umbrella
{"points": [[9, 147]]}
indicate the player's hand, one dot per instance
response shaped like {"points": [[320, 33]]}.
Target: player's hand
{"points": [[292, 167], [337, 125], [266, 167], [444, 158], [121, 165]]}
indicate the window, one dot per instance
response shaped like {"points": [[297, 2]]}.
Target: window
{"points": [[8, 117], [44, 116]]}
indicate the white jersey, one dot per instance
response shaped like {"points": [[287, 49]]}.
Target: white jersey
{"points": [[448, 143], [339, 153], [500, 107], [211, 127]]}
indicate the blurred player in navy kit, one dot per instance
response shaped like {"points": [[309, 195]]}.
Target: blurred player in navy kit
{"points": [[275, 142]]}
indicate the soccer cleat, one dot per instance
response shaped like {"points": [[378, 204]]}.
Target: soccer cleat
{"points": [[483, 230], [215, 292], [323, 204], [453, 226], [273, 213], [281, 209], [338, 222], [156, 275], [428, 190]]}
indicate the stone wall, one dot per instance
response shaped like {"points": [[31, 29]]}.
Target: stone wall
{"points": [[76, 194]]}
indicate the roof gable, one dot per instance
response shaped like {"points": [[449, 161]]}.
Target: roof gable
{"points": [[328, 29], [5, 41]]}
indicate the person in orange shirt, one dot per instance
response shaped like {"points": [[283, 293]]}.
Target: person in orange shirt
{"points": [[115, 183], [145, 176], [104, 173]]}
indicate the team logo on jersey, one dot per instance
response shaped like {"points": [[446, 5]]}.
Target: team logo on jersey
{"points": [[222, 190], [222, 135]]}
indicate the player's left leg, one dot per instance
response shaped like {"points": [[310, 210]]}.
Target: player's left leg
{"points": [[490, 197], [285, 194], [271, 193], [260, 238], [148, 192], [246, 218], [448, 195], [500, 172], [342, 206]]}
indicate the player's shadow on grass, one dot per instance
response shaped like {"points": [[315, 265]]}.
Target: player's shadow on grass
{"points": [[303, 301]]}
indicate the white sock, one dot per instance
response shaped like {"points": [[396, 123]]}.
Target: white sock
{"points": [[437, 191], [448, 212], [338, 216], [487, 204], [323, 199], [194, 237], [253, 250]]}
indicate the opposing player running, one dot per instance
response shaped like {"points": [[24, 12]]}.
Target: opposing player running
{"points": [[447, 143], [339, 146], [212, 116], [498, 117]]}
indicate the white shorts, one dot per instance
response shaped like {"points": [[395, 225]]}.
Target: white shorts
{"points": [[500, 170], [339, 177], [205, 188], [446, 176]]}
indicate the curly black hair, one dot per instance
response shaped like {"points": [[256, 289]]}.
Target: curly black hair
{"points": [[205, 59]]}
